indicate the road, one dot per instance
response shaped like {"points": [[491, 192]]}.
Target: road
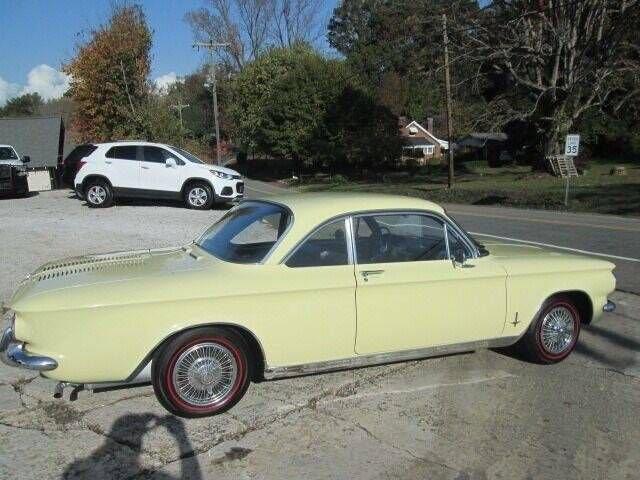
{"points": [[464, 417]]}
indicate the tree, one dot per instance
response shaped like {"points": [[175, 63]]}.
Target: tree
{"points": [[249, 27], [109, 79], [549, 62], [22, 106], [295, 104]]}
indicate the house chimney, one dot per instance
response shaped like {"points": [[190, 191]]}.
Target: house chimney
{"points": [[430, 125]]}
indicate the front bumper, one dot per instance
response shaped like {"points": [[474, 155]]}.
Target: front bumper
{"points": [[12, 353], [609, 306]]}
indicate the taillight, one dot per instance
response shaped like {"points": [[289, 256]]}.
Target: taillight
{"points": [[80, 164]]}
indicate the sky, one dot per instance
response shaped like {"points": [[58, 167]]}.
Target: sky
{"points": [[39, 36]]}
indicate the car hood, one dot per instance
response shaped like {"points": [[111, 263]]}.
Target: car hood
{"points": [[71, 276], [226, 170], [520, 258]]}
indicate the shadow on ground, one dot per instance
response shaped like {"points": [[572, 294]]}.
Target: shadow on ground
{"points": [[120, 455]]}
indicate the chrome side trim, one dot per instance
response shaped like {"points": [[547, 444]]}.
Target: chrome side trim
{"points": [[382, 358]]}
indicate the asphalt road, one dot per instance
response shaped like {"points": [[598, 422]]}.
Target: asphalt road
{"points": [[475, 416]]}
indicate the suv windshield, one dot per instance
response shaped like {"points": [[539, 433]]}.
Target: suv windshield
{"points": [[189, 156], [247, 233], [8, 153]]}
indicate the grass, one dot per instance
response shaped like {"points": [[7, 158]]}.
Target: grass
{"points": [[516, 186]]}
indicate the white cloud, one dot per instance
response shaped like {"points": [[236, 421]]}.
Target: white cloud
{"points": [[43, 79], [163, 82], [47, 81], [7, 90]]}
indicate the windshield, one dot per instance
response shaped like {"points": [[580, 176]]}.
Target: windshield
{"points": [[189, 156], [247, 233], [8, 153]]}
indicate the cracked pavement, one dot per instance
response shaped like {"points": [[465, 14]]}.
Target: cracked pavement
{"points": [[471, 416]]}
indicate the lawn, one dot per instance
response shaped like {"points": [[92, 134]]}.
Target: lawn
{"points": [[516, 186]]}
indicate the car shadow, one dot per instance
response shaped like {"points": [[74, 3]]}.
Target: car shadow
{"points": [[120, 455], [18, 197]]}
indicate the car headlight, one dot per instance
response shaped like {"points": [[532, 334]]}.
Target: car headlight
{"points": [[220, 174]]}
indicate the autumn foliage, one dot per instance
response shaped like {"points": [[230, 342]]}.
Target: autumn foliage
{"points": [[110, 78]]}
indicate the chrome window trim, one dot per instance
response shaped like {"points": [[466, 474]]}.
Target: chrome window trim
{"points": [[446, 240], [295, 248], [443, 218]]}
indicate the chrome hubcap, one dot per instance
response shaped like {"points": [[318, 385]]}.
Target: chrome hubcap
{"points": [[557, 330], [198, 197], [204, 374], [96, 194]]}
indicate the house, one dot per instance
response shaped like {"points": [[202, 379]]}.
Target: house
{"points": [[487, 146], [420, 144]]}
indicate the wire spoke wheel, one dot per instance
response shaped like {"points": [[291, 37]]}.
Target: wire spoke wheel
{"points": [[96, 194], [557, 330], [198, 197], [204, 374]]}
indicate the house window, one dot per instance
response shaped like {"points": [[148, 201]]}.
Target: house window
{"points": [[428, 150]]}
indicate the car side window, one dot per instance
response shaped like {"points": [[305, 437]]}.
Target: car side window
{"points": [[457, 248], [155, 154], [400, 237], [125, 152], [327, 246]]}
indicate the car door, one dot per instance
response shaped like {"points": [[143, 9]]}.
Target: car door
{"points": [[123, 168], [410, 295], [156, 174]]}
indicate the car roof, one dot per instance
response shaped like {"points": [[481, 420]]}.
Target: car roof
{"points": [[121, 143], [6, 145], [312, 209]]}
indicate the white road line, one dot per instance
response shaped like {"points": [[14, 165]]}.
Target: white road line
{"points": [[586, 252]]}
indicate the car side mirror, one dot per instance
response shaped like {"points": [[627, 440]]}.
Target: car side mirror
{"points": [[26, 159], [170, 162], [459, 258]]}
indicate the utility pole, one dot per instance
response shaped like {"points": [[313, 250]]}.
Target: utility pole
{"points": [[447, 87], [211, 46], [179, 107]]}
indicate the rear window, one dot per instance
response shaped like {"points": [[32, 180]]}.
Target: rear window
{"points": [[79, 153], [125, 152], [7, 153]]}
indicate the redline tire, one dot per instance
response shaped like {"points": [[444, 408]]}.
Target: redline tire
{"points": [[536, 347], [166, 369]]}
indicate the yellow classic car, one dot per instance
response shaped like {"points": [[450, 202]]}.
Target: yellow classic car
{"points": [[293, 285]]}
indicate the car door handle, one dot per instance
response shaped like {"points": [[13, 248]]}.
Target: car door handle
{"points": [[146, 168], [365, 273], [108, 162]]}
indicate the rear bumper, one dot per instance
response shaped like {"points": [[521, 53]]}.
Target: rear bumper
{"points": [[12, 353]]}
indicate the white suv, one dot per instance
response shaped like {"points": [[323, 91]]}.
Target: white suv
{"points": [[153, 170]]}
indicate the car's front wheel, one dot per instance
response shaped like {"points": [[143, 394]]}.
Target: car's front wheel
{"points": [[553, 335], [201, 372], [199, 196], [98, 194]]}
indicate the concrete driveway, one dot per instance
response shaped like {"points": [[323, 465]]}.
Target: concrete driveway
{"points": [[472, 416]]}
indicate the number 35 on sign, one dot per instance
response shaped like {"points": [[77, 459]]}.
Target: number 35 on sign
{"points": [[572, 145]]}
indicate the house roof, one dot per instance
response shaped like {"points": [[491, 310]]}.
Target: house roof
{"points": [[480, 139], [38, 137], [443, 143]]}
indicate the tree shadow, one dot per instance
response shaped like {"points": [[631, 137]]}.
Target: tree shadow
{"points": [[119, 456]]}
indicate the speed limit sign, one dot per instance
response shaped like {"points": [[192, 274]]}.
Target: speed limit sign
{"points": [[572, 145]]}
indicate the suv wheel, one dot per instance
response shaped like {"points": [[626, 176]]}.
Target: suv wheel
{"points": [[199, 196], [99, 194]]}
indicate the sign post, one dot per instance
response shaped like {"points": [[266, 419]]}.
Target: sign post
{"points": [[571, 149]]}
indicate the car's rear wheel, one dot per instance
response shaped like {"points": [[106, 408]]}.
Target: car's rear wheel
{"points": [[554, 333], [201, 372], [98, 194], [199, 196]]}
